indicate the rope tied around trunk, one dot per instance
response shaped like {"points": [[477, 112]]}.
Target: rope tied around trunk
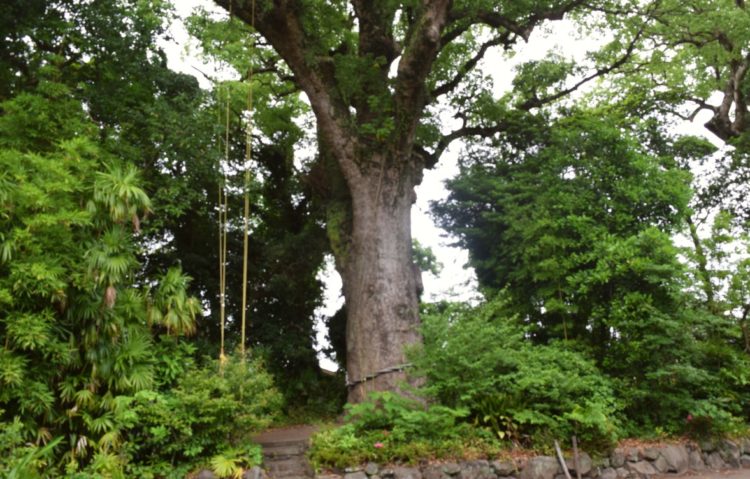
{"points": [[392, 369]]}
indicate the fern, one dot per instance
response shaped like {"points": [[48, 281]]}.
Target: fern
{"points": [[226, 466]]}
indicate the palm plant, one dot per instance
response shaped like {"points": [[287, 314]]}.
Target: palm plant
{"points": [[117, 190], [171, 307]]}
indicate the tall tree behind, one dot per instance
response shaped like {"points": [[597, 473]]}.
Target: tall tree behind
{"points": [[570, 221], [544, 213], [370, 70]]}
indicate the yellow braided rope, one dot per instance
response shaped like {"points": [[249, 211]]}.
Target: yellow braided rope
{"points": [[248, 157]]}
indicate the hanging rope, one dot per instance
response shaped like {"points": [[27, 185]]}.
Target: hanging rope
{"points": [[223, 211], [248, 157]]}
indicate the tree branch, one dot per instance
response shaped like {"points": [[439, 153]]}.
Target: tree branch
{"points": [[375, 30], [279, 23], [467, 67], [537, 102], [416, 63], [721, 124], [430, 159]]}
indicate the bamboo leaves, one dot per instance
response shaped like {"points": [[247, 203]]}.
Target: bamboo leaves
{"points": [[171, 307], [118, 190]]}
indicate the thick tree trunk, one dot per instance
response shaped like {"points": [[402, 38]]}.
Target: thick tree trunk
{"points": [[380, 286], [372, 239]]}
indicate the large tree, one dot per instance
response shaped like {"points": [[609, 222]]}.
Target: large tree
{"points": [[371, 70]]}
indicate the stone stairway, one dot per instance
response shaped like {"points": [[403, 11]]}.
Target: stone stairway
{"points": [[284, 452]]}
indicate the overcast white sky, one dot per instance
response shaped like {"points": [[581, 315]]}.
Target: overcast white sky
{"points": [[455, 281]]}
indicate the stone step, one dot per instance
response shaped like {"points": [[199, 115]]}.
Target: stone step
{"points": [[287, 467], [284, 452], [284, 449]]}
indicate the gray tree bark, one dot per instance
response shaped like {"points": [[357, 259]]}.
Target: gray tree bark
{"points": [[380, 285]]}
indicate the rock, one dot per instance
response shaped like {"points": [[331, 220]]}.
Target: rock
{"points": [[633, 455], [254, 472], [355, 475], [733, 462], [405, 473], [677, 457], [387, 472], [434, 472], [642, 468], [660, 464], [745, 445], [451, 468], [602, 462], [353, 469], [477, 470], [622, 473], [608, 473], [695, 461], [503, 468], [730, 453], [617, 458], [205, 474], [328, 476], [651, 453], [714, 461], [584, 462], [745, 460], [540, 467], [371, 469], [707, 445]]}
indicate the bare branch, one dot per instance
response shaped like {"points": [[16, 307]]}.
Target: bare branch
{"points": [[496, 20], [536, 102], [467, 67], [430, 159]]}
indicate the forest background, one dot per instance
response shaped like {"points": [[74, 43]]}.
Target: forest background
{"points": [[571, 189]]}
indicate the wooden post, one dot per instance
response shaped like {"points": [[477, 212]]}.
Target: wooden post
{"points": [[561, 460], [576, 462]]}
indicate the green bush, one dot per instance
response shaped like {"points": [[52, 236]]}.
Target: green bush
{"points": [[208, 416], [389, 428], [19, 459], [405, 419], [479, 360]]}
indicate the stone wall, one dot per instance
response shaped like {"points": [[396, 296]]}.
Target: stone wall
{"points": [[623, 463]]}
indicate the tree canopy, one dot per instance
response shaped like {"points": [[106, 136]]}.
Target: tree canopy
{"points": [[610, 249]]}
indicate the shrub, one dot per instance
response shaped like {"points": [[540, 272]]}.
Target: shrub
{"points": [[18, 459], [389, 428], [404, 419], [207, 417], [476, 359]]}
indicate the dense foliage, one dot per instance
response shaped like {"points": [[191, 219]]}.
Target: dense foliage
{"points": [[613, 253], [580, 247], [86, 345], [94, 355], [391, 428], [475, 359]]}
